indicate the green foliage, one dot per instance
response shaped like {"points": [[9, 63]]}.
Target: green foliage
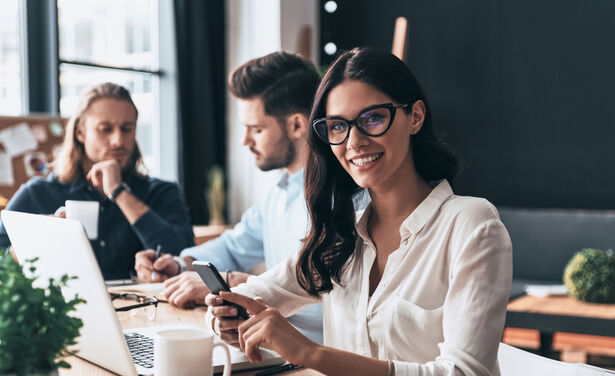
{"points": [[590, 276], [34, 323]]}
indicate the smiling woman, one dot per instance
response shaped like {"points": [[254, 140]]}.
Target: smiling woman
{"points": [[417, 284]]}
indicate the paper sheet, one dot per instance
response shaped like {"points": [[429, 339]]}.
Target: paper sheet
{"points": [[544, 290], [6, 170], [18, 139], [56, 150]]}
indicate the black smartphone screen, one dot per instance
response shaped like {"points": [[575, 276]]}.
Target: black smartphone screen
{"points": [[215, 283]]}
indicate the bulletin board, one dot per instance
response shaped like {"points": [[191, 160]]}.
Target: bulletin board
{"points": [[27, 147]]}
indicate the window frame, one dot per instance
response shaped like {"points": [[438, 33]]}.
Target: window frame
{"points": [[41, 81]]}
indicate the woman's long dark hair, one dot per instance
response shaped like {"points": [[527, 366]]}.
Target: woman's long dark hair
{"points": [[329, 190]]}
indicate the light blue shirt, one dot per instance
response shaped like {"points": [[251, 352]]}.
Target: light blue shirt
{"points": [[270, 231]]}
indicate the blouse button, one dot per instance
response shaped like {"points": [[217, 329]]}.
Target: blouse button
{"points": [[102, 243]]}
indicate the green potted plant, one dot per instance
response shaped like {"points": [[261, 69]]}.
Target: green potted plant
{"points": [[35, 325], [590, 276], [215, 195]]}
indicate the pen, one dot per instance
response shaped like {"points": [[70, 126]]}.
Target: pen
{"points": [[119, 282], [277, 369], [158, 252]]}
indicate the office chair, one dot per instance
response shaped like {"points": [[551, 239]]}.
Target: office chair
{"points": [[516, 362]]}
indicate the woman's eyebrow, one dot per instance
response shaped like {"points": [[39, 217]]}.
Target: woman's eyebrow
{"points": [[357, 115]]}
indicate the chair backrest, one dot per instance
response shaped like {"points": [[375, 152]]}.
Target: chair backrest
{"points": [[516, 362]]}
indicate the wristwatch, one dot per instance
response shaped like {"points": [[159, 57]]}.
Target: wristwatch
{"points": [[116, 192], [181, 262]]}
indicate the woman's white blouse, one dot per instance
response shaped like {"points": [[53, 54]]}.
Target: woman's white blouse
{"points": [[440, 306]]}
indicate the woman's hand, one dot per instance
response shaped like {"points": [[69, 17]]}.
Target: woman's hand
{"points": [[225, 321], [267, 327]]}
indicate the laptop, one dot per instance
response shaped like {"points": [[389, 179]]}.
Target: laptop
{"points": [[62, 247]]}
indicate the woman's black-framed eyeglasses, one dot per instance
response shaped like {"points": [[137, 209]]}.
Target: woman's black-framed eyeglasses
{"points": [[148, 304], [373, 121]]}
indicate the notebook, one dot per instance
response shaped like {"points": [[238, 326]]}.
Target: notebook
{"points": [[63, 248]]}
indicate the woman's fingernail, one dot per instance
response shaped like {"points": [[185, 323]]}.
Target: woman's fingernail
{"points": [[233, 311], [218, 299]]}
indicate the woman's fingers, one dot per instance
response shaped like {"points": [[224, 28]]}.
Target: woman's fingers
{"points": [[224, 311], [213, 300], [253, 336], [252, 306]]}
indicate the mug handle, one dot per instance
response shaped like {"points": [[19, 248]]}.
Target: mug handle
{"points": [[227, 365]]}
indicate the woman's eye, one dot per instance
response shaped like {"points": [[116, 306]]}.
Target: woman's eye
{"points": [[373, 119], [337, 127]]}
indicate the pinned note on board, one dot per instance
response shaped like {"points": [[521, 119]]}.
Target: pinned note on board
{"points": [[36, 164], [6, 170], [40, 132], [18, 139], [56, 129]]}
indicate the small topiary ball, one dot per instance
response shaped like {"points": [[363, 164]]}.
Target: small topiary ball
{"points": [[590, 276]]}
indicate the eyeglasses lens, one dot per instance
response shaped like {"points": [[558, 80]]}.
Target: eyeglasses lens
{"points": [[372, 122], [150, 310]]}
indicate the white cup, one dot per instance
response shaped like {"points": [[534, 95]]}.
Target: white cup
{"points": [[87, 213], [186, 352]]}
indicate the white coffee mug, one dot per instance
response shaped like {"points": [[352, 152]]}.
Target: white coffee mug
{"points": [[187, 352], [87, 213]]}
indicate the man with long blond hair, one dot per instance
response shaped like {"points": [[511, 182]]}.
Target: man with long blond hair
{"points": [[101, 161]]}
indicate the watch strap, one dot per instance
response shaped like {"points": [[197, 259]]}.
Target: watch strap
{"points": [[116, 192], [182, 264]]}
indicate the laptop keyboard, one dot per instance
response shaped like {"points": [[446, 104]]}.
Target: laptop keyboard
{"points": [[141, 349]]}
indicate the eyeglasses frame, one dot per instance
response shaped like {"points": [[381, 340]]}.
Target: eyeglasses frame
{"points": [[390, 106], [123, 295]]}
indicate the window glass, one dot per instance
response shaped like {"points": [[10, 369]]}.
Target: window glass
{"points": [[117, 33], [112, 33], [10, 62], [75, 80]]}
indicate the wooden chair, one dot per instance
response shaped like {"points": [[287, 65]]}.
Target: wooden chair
{"points": [[400, 36]]}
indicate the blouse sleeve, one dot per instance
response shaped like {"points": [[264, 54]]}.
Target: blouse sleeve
{"points": [[279, 288]]}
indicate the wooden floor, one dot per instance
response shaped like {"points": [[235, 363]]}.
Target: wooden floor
{"points": [[574, 348]]}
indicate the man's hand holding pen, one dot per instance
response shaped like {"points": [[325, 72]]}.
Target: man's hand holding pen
{"points": [[155, 266]]}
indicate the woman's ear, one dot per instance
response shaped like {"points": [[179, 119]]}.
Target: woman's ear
{"points": [[419, 111]]}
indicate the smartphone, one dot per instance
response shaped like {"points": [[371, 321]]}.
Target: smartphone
{"points": [[215, 283]]}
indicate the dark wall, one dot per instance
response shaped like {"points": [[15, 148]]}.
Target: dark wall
{"points": [[523, 91]]}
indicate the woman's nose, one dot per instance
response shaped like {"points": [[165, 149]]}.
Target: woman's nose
{"points": [[356, 139]]}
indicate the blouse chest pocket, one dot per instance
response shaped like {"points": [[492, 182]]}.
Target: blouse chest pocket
{"points": [[415, 331]]}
